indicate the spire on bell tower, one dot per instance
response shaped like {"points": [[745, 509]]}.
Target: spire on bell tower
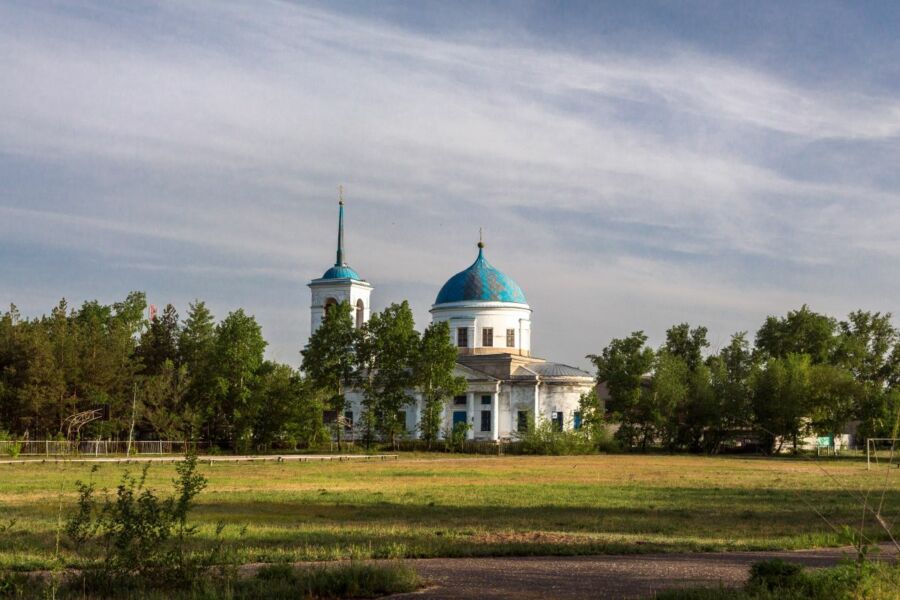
{"points": [[340, 262]]}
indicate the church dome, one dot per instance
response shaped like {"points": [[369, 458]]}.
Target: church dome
{"points": [[481, 282], [341, 272]]}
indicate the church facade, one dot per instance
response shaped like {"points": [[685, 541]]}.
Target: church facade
{"points": [[490, 324]]}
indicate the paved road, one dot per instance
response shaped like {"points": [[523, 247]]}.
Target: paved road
{"points": [[634, 576]]}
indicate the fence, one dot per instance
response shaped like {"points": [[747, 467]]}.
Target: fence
{"points": [[92, 448], [467, 447]]}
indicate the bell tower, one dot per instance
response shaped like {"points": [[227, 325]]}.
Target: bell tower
{"points": [[340, 283]]}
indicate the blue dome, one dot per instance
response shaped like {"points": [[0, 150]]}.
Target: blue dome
{"points": [[480, 282], [342, 272]]}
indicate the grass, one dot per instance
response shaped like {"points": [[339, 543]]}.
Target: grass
{"points": [[873, 581], [276, 582], [487, 506]]}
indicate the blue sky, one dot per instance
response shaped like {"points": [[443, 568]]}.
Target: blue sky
{"points": [[633, 165]]}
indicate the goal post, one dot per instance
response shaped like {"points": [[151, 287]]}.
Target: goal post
{"points": [[872, 449]]}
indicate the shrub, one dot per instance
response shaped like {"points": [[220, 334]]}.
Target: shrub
{"points": [[345, 581], [14, 448], [771, 575], [138, 533], [544, 438], [455, 437]]}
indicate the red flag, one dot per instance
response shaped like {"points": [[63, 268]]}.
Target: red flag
{"points": [[152, 311]]}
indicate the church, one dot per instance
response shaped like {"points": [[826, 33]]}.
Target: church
{"points": [[490, 324]]}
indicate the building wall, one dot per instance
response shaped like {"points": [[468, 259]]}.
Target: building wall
{"points": [[339, 290], [476, 316], [510, 399]]}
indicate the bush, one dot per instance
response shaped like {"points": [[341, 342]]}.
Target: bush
{"points": [[777, 580], [772, 575], [544, 438], [138, 534], [455, 438], [274, 582]]}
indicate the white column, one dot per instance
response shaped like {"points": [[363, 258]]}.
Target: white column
{"points": [[470, 415], [537, 403], [495, 414]]}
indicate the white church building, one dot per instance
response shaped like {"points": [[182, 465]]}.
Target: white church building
{"points": [[490, 324]]}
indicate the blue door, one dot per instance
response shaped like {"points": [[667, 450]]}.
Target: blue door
{"points": [[459, 416]]}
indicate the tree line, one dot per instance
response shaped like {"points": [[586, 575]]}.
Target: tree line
{"points": [[805, 374], [201, 380]]}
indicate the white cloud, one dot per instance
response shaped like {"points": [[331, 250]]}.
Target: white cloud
{"points": [[225, 126]]}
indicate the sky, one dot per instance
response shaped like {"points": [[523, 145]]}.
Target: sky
{"points": [[633, 164]]}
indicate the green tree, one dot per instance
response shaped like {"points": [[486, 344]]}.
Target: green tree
{"points": [[163, 407], [330, 357], [780, 400], [694, 412], [624, 366], [668, 398], [386, 350], [800, 332], [834, 397], [731, 372], [433, 366], [159, 342], [687, 344], [238, 356], [279, 401], [868, 348], [196, 345]]}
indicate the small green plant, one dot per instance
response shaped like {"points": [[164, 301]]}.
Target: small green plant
{"points": [[137, 533], [455, 437], [14, 449]]}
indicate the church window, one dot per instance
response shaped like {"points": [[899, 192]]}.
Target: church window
{"points": [[360, 313], [577, 423], [522, 421], [558, 420], [459, 400], [486, 399], [510, 338], [348, 420], [401, 419], [462, 337], [485, 420], [487, 337]]}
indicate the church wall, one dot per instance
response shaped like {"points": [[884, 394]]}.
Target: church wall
{"points": [[562, 397]]}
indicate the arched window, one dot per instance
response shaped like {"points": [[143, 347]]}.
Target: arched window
{"points": [[328, 304], [360, 313]]}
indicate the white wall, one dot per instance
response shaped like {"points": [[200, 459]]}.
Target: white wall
{"points": [[476, 316], [340, 290]]}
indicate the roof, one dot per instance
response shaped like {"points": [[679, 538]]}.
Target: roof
{"points": [[341, 272], [549, 369], [481, 282]]}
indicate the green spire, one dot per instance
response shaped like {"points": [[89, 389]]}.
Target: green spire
{"points": [[340, 245]]}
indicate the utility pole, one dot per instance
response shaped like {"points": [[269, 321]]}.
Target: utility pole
{"points": [[133, 409]]}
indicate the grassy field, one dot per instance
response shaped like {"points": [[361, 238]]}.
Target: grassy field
{"points": [[435, 506]]}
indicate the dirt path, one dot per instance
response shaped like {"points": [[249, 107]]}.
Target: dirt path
{"points": [[634, 576]]}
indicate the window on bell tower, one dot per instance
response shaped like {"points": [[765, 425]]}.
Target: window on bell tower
{"points": [[462, 337], [487, 337]]}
